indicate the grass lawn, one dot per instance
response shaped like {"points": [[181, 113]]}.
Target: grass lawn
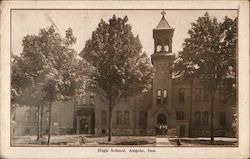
{"points": [[73, 140], [90, 140], [218, 141]]}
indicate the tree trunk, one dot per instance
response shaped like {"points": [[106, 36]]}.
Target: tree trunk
{"points": [[41, 121], [110, 121], [212, 93], [38, 122], [48, 142], [191, 110]]}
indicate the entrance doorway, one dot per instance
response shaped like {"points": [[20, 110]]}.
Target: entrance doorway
{"points": [[182, 130], [84, 126], [161, 127], [161, 119], [84, 122]]}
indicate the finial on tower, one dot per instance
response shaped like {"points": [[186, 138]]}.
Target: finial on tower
{"points": [[163, 13]]}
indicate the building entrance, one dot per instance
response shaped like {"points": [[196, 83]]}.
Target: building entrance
{"points": [[161, 127], [84, 126], [85, 121]]}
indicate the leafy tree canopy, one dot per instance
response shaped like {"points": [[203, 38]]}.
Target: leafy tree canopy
{"points": [[210, 51], [47, 69], [121, 68], [209, 55]]}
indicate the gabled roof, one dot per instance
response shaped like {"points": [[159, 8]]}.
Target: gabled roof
{"points": [[163, 25]]}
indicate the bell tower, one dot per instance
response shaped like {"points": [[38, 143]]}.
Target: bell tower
{"points": [[162, 110], [163, 35]]}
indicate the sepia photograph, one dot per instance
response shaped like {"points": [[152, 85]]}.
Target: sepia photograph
{"points": [[124, 79]]}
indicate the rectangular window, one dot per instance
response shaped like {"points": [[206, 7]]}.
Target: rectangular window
{"points": [[13, 115], [47, 115], [104, 117], [205, 95], [27, 115], [222, 118], [158, 96], [119, 117], [143, 118], [222, 97], [165, 96], [181, 94], [197, 94], [126, 117], [197, 119], [180, 115], [26, 131], [205, 118]]}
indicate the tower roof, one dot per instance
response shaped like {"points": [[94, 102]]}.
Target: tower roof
{"points": [[163, 24]]}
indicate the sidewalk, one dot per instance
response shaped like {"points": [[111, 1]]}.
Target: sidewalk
{"points": [[163, 141]]}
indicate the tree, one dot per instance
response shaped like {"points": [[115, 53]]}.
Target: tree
{"points": [[25, 90], [120, 66], [48, 69], [209, 54]]}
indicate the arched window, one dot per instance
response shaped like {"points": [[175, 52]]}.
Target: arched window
{"points": [[197, 119], [166, 48], [205, 118], [159, 47]]}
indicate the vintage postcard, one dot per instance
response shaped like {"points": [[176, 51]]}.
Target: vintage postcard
{"points": [[124, 79]]}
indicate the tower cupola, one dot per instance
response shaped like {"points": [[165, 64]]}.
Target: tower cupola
{"points": [[163, 35]]}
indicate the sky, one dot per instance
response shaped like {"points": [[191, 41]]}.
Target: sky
{"points": [[84, 22]]}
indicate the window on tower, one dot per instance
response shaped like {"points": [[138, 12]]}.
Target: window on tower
{"points": [[166, 48], [158, 100], [159, 47], [165, 96]]}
